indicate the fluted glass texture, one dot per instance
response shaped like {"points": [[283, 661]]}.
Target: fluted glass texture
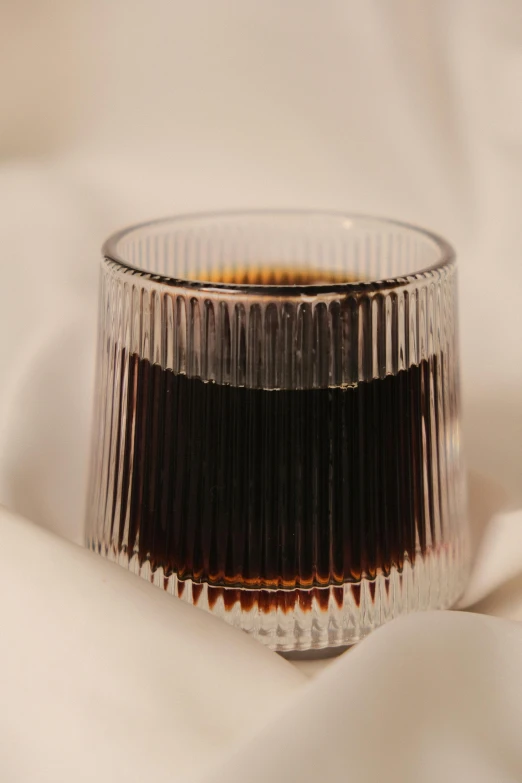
{"points": [[276, 429]]}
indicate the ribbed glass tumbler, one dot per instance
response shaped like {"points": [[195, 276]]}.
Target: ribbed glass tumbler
{"points": [[276, 434]]}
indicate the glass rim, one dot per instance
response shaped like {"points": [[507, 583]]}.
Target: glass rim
{"points": [[447, 255]]}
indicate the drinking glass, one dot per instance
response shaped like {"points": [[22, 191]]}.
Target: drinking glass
{"points": [[276, 428]]}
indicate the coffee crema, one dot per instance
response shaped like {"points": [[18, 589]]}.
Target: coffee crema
{"points": [[263, 275]]}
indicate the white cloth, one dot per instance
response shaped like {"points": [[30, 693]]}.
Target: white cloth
{"points": [[115, 112]]}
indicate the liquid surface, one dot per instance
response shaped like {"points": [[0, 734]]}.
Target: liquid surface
{"points": [[293, 488], [262, 274]]}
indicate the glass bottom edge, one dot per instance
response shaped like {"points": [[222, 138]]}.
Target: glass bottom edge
{"points": [[322, 617]]}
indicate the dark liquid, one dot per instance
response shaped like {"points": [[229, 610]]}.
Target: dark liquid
{"points": [[248, 487]]}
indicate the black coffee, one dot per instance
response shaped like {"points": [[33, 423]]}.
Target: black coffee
{"points": [[293, 488]]}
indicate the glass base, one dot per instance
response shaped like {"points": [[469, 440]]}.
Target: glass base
{"points": [[324, 653], [325, 617]]}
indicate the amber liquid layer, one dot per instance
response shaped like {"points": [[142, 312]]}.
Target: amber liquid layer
{"points": [[263, 488]]}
